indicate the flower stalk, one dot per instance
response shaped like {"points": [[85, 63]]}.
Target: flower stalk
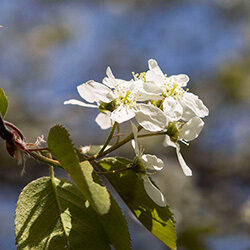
{"points": [[112, 131]]}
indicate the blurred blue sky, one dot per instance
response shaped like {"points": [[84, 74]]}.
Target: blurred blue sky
{"points": [[191, 37], [50, 47]]}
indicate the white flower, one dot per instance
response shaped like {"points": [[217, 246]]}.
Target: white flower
{"points": [[126, 93], [158, 84], [175, 102], [97, 93], [156, 75], [151, 164], [188, 132], [115, 98], [153, 119]]}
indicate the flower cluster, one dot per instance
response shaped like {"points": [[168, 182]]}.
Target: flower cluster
{"points": [[158, 102]]}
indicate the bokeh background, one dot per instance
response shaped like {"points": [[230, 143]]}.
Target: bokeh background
{"points": [[50, 47]]}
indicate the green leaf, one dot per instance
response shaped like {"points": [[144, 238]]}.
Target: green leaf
{"points": [[89, 183], [55, 215], [158, 220], [61, 146], [3, 102], [116, 227], [113, 222]]}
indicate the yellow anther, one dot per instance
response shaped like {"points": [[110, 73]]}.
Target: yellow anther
{"points": [[142, 76], [173, 89]]}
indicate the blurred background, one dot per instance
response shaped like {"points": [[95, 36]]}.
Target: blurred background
{"points": [[49, 47]]}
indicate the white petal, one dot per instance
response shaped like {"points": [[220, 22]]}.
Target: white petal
{"points": [[191, 129], [192, 102], [187, 171], [122, 113], [150, 117], [123, 86], [93, 91], [188, 113], [172, 108], [153, 65], [110, 79], [152, 88], [168, 143], [152, 162], [83, 104], [152, 76], [109, 73], [103, 120], [180, 79], [154, 193], [147, 91], [135, 141]]}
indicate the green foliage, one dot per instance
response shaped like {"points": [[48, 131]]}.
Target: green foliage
{"points": [[3, 102], [129, 185], [53, 214], [113, 222], [109, 213], [116, 227], [62, 148]]}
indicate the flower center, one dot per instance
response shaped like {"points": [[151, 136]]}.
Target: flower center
{"points": [[173, 90], [108, 106], [172, 132], [138, 166]]}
